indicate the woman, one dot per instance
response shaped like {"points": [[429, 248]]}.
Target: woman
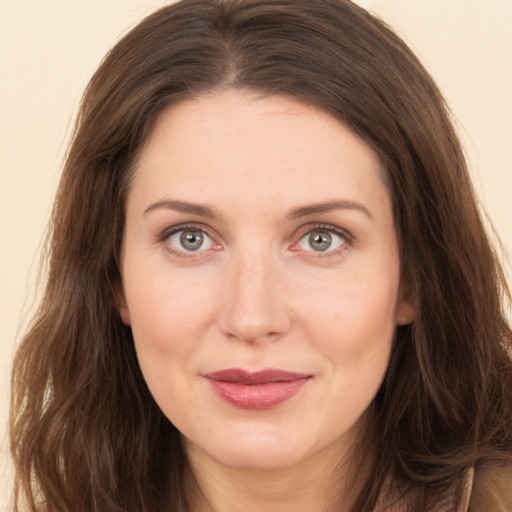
{"points": [[269, 285]]}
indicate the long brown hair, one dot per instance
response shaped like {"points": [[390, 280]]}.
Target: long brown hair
{"points": [[86, 434]]}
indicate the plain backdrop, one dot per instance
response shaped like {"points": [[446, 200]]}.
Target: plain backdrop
{"points": [[50, 48]]}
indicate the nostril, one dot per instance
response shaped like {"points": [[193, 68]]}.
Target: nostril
{"points": [[267, 324]]}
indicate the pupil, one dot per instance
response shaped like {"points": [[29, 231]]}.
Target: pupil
{"points": [[191, 240], [320, 240]]}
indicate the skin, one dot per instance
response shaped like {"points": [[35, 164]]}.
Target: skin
{"points": [[258, 294]]}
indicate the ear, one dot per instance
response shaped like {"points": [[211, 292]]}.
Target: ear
{"points": [[121, 305], [405, 308]]}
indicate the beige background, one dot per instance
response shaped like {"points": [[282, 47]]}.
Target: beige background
{"points": [[49, 49]]}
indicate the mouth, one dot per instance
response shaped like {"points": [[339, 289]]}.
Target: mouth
{"points": [[256, 390]]}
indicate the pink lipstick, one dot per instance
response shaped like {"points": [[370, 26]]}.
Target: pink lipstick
{"points": [[256, 390]]}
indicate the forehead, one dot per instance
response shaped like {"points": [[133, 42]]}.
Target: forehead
{"points": [[232, 143]]}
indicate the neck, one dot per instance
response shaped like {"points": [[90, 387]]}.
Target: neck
{"points": [[320, 482]]}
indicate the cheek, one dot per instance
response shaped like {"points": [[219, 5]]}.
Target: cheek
{"points": [[170, 317], [356, 337], [169, 311], [353, 321]]}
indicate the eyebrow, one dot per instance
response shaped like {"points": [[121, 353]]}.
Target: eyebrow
{"points": [[318, 208], [183, 207], [296, 213]]}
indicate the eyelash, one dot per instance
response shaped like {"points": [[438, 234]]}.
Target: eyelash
{"points": [[329, 228], [348, 239], [166, 234]]}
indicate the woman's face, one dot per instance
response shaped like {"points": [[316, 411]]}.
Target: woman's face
{"points": [[261, 279]]}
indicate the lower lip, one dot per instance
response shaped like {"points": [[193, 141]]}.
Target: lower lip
{"points": [[257, 396]]}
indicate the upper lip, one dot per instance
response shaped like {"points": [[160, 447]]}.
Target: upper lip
{"points": [[258, 377]]}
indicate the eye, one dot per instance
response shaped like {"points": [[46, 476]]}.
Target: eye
{"points": [[321, 240], [190, 240]]}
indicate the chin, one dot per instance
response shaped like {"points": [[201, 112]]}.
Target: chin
{"points": [[258, 452]]}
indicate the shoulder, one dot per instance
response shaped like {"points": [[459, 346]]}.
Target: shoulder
{"points": [[492, 489]]}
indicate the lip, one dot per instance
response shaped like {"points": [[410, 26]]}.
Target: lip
{"points": [[256, 390]]}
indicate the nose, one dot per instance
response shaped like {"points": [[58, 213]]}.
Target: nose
{"points": [[254, 302]]}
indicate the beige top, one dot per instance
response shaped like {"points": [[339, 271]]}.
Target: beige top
{"points": [[487, 490], [492, 490]]}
